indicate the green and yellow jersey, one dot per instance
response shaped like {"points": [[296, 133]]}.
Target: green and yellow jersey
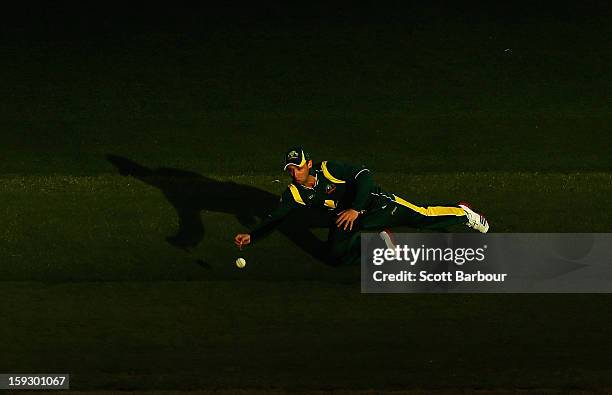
{"points": [[338, 186]]}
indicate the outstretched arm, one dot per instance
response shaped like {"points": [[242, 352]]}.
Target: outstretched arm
{"points": [[269, 223]]}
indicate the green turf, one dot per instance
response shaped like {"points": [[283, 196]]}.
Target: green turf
{"points": [[301, 335], [92, 288], [66, 228]]}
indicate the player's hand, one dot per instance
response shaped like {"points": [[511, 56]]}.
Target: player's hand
{"points": [[346, 218], [242, 239]]}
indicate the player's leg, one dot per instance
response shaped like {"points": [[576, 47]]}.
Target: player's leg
{"points": [[403, 213], [475, 220], [381, 220], [344, 245]]}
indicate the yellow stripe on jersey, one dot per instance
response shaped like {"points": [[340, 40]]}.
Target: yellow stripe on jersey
{"points": [[433, 211], [328, 175], [296, 194], [330, 203]]}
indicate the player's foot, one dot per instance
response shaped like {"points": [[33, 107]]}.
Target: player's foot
{"points": [[475, 220], [388, 238]]}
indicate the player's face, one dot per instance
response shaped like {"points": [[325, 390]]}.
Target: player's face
{"points": [[300, 174]]}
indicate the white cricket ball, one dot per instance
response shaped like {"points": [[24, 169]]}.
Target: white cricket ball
{"points": [[241, 263]]}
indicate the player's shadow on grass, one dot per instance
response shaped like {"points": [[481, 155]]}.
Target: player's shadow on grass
{"points": [[190, 193]]}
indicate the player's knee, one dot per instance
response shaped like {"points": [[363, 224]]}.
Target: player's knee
{"points": [[346, 252]]}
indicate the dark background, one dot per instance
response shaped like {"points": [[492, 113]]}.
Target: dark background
{"points": [[184, 83]]}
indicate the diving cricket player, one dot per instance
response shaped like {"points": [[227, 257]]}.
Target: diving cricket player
{"points": [[354, 203]]}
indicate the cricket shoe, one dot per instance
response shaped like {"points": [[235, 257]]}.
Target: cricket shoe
{"points": [[475, 220], [388, 238]]}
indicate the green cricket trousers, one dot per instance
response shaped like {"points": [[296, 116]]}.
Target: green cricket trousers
{"points": [[345, 245]]}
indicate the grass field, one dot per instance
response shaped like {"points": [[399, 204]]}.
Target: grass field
{"points": [[131, 161], [301, 335], [114, 228], [88, 272]]}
